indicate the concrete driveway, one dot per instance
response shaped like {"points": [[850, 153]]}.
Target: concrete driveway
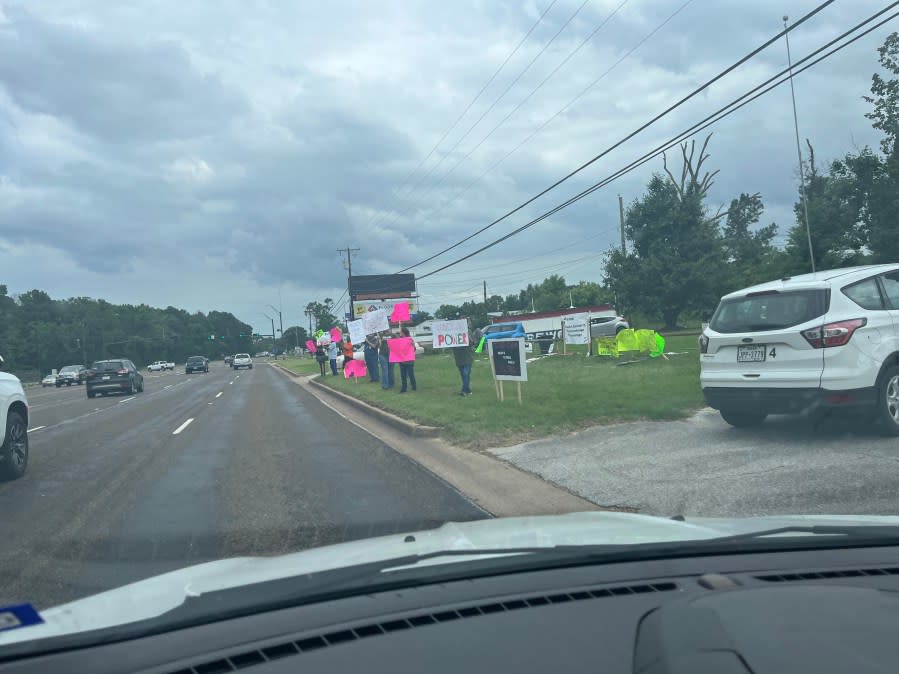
{"points": [[703, 467]]}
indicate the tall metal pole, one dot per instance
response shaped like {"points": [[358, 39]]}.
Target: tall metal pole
{"points": [[621, 219], [802, 194]]}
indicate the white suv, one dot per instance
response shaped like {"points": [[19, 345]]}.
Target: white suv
{"points": [[804, 344], [13, 427], [242, 360]]}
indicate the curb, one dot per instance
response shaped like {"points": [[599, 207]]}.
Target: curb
{"points": [[408, 427]]}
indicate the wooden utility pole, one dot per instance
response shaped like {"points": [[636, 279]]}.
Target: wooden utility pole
{"points": [[621, 218], [485, 293], [349, 276]]}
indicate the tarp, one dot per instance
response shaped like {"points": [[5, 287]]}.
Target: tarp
{"points": [[402, 349]]}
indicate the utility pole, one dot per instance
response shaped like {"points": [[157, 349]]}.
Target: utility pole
{"points": [[280, 320], [621, 218], [348, 265], [309, 316], [802, 195], [485, 293]]}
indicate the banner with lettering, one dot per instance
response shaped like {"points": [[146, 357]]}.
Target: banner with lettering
{"points": [[375, 321], [449, 334]]}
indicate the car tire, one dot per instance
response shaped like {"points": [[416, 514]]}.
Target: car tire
{"points": [[14, 451], [133, 390], [888, 401], [58, 385], [743, 418]]}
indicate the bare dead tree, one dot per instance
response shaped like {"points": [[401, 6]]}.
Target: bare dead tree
{"points": [[690, 182]]}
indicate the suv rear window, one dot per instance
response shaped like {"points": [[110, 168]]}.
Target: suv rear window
{"points": [[769, 311], [70, 368], [242, 355], [108, 366], [195, 359]]}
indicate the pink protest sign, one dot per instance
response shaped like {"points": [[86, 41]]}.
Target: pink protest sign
{"points": [[400, 313], [310, 345], [336, 335], [402, 349], [354, 368]]}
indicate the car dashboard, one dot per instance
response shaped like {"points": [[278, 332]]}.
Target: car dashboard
{"points": [[801, 611]]}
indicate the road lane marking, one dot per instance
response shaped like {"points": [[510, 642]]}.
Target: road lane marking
{"points": [[126, 400], [219, 394], [182, 426], [165, 387], [237, 377], [36, 428], [230, 382], [209, 403]]}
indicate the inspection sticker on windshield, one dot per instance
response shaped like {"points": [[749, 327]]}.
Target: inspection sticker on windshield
{"points": [[20, 615]]}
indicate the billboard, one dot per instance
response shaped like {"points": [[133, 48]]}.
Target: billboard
{"points": [[382, 286], [362, 307]]}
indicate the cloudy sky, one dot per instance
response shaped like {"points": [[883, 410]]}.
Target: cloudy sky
{"points": [[215, 155]]}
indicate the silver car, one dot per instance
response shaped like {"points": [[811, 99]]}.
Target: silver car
{"points": [[607, 326]]}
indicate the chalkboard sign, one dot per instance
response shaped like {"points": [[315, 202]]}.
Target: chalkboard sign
{"points": [[509, 361]]}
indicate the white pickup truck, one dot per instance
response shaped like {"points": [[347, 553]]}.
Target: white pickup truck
{"points": [[159, 366]]}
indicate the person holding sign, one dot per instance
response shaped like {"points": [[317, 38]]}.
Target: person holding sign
{"points": [[372, 342], [320, 358], [332, 356], [385, 367], [464, 357], [402, 351]]}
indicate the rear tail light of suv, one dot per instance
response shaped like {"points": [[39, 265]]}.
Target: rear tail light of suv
{"points": [[833, 334]]}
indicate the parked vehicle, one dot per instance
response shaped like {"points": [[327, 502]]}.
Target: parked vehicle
{"points": [[71, 374], [113, 376], [49, 380], [806, 344], [196, 364], [242, 360], [607, 326], [160, 366], [13, 427]]}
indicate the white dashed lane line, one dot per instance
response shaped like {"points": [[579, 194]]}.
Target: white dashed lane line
{"points": [[36, 428], [182, 426], [169, 386], [217, 395], [126, 400], [230, 382]]}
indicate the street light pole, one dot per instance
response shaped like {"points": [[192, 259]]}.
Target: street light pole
{"points": [[280, 320], [802, 193]]}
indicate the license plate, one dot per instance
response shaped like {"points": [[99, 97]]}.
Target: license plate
{"points": [[751, 353], [105, 377]]}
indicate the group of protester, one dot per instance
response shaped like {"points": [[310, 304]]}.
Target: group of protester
{"points": [[380, 367]]}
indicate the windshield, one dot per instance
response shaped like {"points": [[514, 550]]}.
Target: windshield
{"points": [[769, 311], [345, 272]]}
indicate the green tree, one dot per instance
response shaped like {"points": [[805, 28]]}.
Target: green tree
{"points": [[676, 251], [323, 313], [748, 250]]}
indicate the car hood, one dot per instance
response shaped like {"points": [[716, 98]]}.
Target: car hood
{"points": [[156, 595]]}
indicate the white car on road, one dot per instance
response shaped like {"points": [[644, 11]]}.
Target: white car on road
{"points": [[242, 360], [806, 344], [160, 365], [13, 427]]}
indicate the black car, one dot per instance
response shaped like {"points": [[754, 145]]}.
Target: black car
{"points": [[113, 376], [196, 364], [229, 360], [71, 374]]}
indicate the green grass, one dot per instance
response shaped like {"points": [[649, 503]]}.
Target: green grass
{"points": [[303, 366], [563, 394]]}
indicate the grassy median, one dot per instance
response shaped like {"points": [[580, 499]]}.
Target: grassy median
{"points": [[562, 394]]}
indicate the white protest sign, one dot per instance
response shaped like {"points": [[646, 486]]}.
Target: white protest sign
{"points": [[449, 334], [357, 331], [375, 321], [577, 329]]}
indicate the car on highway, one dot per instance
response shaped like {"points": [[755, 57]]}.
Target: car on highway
{"points": [[229, 360], [118, 375], [242, 360], [71, 374], [160, 366], [806, 344], [607, 326], [49, 380], [13, 427], [196, 364]]}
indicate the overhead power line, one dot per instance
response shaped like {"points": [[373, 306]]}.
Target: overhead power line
{"points": [[495, 102], [633, 133], [473, 100], [723, 112], [521, 103]]}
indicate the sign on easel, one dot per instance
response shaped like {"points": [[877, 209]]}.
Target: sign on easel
{"points": [[508, 360]]}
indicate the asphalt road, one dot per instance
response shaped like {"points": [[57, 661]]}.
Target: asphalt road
{"points": [[703, 467], [198, 467]]}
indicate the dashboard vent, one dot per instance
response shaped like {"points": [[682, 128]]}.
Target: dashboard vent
{"points": [[835, 573], [258, 656]]}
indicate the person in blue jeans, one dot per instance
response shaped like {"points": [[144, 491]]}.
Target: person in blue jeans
{"points": [[385, 367], [372, 346], [464, 356], [332, 356]]}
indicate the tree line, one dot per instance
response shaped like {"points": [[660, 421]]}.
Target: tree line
{"points": [[681, 257], [38, 333]]}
